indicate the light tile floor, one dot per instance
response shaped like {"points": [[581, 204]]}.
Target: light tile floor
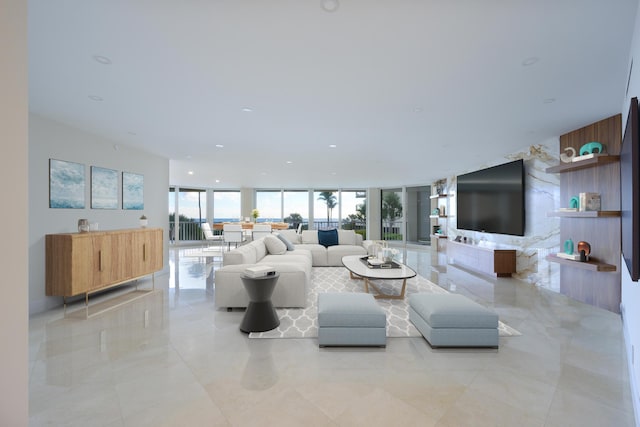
{"points": [[170, 358]]}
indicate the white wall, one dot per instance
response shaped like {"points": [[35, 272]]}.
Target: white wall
{"points": [[49, 139], [14, 319], [630, 305]]}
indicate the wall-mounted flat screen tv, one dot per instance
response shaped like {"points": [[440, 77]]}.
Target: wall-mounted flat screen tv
{"points": [[492, 200], [630, 191]]}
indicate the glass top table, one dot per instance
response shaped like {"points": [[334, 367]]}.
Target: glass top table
{"points": [[360, 270]]}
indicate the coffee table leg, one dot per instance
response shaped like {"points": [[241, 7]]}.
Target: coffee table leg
{"points": [[389, 296], [356, 277]]}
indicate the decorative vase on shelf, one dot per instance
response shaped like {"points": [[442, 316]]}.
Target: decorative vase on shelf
{"points": [[83, 225], [568, 247]]}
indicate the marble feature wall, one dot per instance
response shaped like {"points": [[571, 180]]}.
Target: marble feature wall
{"points": [[542, 233]]}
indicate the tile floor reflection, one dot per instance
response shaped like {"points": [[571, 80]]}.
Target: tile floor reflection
{"points": [[169, 357]]}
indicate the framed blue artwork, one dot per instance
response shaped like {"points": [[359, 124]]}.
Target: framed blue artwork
{"points": [[66, 185], [132, 191], [104, 188]]}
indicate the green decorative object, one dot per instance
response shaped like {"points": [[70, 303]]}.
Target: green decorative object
{"points": [[574, 202], [591, 148], [568, 247]]}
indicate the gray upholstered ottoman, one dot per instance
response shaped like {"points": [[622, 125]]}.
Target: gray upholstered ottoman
{"points": [[452, 320], [350, 319]]}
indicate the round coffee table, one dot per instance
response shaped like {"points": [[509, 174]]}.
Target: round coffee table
{"points": [[260, 315]]}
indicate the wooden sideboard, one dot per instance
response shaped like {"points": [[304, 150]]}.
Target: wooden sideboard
{"points": [[498, 262], [81, 263]]}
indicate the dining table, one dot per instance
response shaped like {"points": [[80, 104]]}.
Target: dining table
{"points": [[249, 225]]}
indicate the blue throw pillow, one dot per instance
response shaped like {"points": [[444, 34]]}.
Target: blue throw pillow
{"points": [[328, 237], [286, 241]]}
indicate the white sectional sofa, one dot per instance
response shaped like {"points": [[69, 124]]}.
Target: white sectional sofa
{"points": [[349, 243], [292, 256]]}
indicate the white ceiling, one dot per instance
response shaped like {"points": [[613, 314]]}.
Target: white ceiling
{"points": [[408, 91]]}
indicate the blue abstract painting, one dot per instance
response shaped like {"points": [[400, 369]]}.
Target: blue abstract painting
{"points": [[66, 184], [132, 191], [104, 188]]}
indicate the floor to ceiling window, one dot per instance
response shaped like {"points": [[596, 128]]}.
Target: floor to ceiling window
{"points": [[269, 205], [325, 210], [227, 206], [295, 208], [353, 211], [392, 214], [187, 213]]}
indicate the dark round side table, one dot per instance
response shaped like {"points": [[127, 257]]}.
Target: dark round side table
{"points": [[260, 315]]}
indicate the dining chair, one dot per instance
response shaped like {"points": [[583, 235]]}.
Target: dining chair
{"points": [[232, 233], [209, 236], [261, 230]]}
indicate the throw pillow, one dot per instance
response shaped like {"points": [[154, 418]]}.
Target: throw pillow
{"points": [[274, 245], [286, 242], [328, 237]]}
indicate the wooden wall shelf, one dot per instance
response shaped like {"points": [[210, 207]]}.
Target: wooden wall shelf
{"points": [[599, 160], [585, 214], [591, 265], [438, 196], [437, 216], [439, 236]]}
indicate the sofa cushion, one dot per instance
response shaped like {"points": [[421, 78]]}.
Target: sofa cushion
{"points": [[318, 253], [328, 237], [245, 254], [260, 247], [286, 242], [291, 235], [274, 245], [346, 237], [309, 237]]}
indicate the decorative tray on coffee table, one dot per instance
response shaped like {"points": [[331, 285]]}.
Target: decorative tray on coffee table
{"points": [[377, 263]]}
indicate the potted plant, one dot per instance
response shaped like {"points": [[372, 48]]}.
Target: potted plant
{"points": [[255, 214], [143, 221]]}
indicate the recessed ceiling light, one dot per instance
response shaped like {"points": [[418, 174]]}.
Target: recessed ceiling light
{"points": [[289, 162], [95, 98], [417, 110], [332, 145], [530, 61], [219, 146], [247, 110], [549, 100], [263, 173], [102, 59], [190, 172], [330, 5], [217, 181], [333, 173]]}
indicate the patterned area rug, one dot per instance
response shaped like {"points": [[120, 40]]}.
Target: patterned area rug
{"points": [[302, 323]]}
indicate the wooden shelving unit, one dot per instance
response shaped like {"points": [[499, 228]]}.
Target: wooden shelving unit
{"points": [[584, 214], [438, 196], [437, 216], [596, 282], [598, 160], [591, 265], [439, 236]]}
